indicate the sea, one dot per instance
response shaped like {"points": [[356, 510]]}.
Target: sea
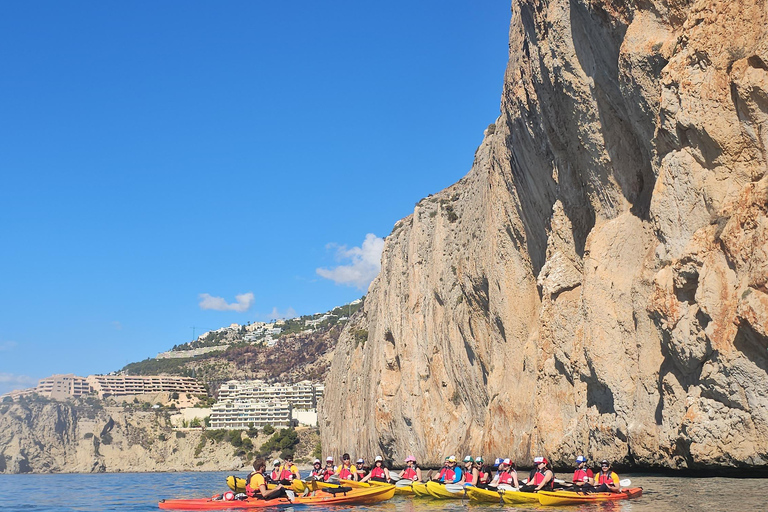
{"points": [[140, 492]]}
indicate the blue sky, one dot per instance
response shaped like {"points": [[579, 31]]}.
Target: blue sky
{"points": [[160, 159]]}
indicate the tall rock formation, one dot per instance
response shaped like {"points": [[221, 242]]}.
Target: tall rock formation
{"points": [[598, 282]]}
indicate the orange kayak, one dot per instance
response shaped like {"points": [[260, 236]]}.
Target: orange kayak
{"points": [[352, 497]]}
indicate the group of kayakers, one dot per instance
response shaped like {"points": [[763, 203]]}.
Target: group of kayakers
{"points": [[473, 471]]}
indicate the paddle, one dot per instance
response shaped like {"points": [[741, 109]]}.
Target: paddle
{"points": [[394, 476], [404, 482], [625, 483], [507, 487], [291, 495]]}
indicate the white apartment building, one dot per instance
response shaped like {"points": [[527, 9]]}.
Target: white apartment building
{"points": [[242, 413], [302, 395]]}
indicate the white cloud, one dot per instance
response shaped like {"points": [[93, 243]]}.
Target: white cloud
{"points": [[10, 381], [278, 315], [242, 302], [7, 346], [364, 266]]}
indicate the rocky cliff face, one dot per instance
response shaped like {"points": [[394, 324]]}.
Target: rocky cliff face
{"points": [[598, 282], [51, 436]]}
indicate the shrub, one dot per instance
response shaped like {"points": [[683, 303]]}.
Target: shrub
{"points": [[268, 430]]}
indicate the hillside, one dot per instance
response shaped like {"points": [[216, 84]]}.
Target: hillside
{"points": [[298, 353]]}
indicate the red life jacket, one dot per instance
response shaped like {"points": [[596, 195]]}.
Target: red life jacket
{"points": [[316, 472], [250, 491], [328, 473], [480, 476], [345, 473], [275, 474], [447, 475], [604, 478], [378, 472], [287, 474], [408, 473], [506, 477], [581, 475], [538, 477]]}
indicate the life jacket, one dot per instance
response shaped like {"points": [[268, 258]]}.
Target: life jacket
{"points": [[287, 473], [538, 477], [251, 491], [316, 472], [345, 473], [481, 475], [603, 478], [506, 477], [451, 476], [274, 475], [409, 473], [328, 473], [580, 475], [378, 472]]}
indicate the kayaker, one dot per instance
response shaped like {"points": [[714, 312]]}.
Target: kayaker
{"points": [[412, 471], [509, 475], [347, 471], [256, 485], [274, 475], [483, 473], [541, 476], [317, 470], [329, 470], [289, 471], [362, 469], [451, 473], [379, 471], [470, 472], [582, 475], [606, 480]]}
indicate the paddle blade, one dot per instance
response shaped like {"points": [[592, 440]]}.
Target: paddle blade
{"points": [[454, 487], [506, 487], [291, 495], [625, 483], [394, 476], [403, 482]]}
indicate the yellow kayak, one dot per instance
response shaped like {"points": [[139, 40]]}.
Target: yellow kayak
{"points": [[420, 489], [514, 497], [485, 495], [439, 490], [237, 484]]}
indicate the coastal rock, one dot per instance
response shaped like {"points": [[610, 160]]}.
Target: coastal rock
{"points": [[598, 282]]}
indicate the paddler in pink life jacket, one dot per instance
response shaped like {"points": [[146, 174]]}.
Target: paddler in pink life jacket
{"points": [[329, 470], [317, 470], [412, 471], [362, 470], [347, 471], [379, 471], [470, 473]]}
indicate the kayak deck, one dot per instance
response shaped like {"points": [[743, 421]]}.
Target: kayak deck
{"points": [[574, 497]]}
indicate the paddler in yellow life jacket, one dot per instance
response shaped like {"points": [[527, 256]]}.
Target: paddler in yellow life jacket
{"points": [[347, 470], [256, 484], [289, 471], [606, 480]]}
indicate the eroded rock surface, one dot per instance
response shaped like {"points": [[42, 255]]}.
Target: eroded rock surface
{"points": [[597, 283]]}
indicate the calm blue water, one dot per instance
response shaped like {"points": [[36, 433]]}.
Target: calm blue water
{"points": [[140, 492]]}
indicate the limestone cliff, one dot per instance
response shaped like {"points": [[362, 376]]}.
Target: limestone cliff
{"points": [[598, 282], [50, 436]]}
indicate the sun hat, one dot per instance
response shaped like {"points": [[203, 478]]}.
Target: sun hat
{"points": [[329, 459], [497, 462], [410, 458], [317, 461], [468, 458], [539, 460], [360, 461], [581, 459]]}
